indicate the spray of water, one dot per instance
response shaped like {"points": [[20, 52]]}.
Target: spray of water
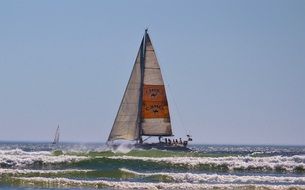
{"points": [[121, 147]]}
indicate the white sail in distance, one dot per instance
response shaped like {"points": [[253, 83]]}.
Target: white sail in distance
{"points": [[56, 137]]}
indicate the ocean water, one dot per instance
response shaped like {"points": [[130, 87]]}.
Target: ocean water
{"points": [[94, 166]]}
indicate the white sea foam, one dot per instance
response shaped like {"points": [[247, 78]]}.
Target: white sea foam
{"points": [[216, 178], [26, 171], [19, 158], [231, 162], [141, 185], [18, 151], [123, 148]]}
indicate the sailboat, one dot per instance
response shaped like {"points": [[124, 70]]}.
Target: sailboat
{"points": [[56, 137], [144, 110]]}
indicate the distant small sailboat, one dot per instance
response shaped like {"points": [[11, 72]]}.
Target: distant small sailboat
{"points": [[56, 138], [144, 109]]}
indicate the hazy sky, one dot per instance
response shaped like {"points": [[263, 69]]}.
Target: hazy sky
{"points": [[235, 69]]}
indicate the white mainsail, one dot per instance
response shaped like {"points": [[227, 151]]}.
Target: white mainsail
{"points": [[144, 109], [155, 112]]}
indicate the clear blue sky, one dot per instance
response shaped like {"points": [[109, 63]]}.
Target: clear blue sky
{"points": [[235, 69]]}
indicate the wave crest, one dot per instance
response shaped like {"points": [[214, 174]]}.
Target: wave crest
{"points": [[18, 158], [273, 163], [57, 182]]}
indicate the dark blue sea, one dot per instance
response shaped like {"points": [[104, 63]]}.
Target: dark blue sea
{"points": [[94, 166]]}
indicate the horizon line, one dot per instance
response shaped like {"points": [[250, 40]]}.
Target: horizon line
{"points": [[192, 144]]}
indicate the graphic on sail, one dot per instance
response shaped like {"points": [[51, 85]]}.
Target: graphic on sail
{"points": [[155, 111], [56, 138], [144, 108]]}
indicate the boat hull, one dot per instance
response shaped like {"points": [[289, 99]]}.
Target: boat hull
{"points": [[162, 146], [148, 146]]}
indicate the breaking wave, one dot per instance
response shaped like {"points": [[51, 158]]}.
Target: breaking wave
{"points": [[127, 168], [18, 158], [237, 163], [59, 182], [27, 171], [217, 178]]}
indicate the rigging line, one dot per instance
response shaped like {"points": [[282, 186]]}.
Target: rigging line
{"points": [[177, 108]]}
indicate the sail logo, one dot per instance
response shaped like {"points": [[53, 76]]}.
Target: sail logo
{"points": [[154, 103], [153, 92], [155, 109]]}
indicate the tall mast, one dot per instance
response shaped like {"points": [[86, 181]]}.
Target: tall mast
{"points": [[142, 65]]}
